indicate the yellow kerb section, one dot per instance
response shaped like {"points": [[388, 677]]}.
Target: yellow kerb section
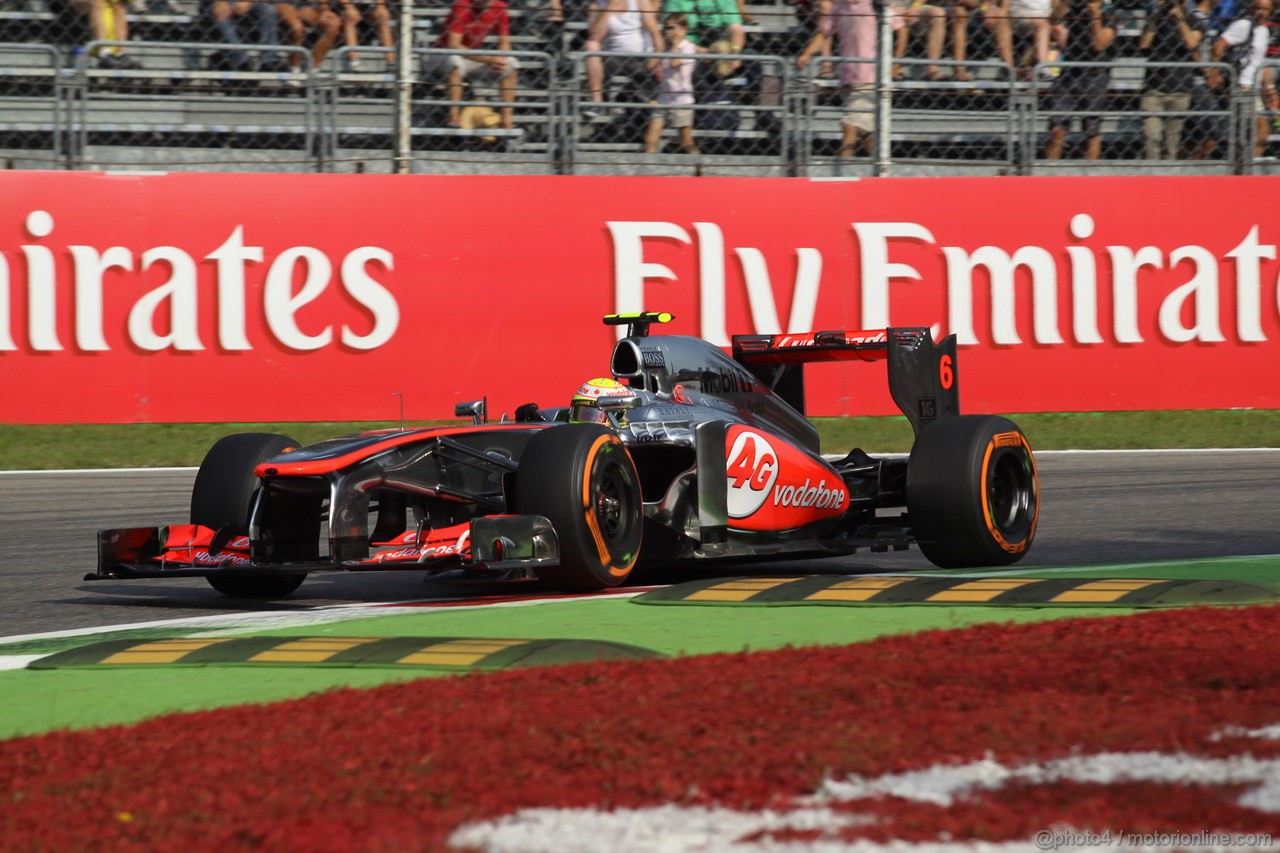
{"points": [[162, 651], [309, 649], [861, 589], [738, 590], [980, 590], [459, 652], [1102, 591]]}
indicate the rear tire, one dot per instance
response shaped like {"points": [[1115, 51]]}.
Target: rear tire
{"points": [[581, 477], [972, 492], [223, 495]]}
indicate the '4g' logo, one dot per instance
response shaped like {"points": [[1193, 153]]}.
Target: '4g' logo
{"points": [[752, 471]]}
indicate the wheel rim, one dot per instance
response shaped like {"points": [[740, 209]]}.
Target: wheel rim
{"points": [[1011, 495], [613, 504]]}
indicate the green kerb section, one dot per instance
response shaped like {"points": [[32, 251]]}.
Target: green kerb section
{"points": [[939, 591], [1263, 570], [38, 701]]}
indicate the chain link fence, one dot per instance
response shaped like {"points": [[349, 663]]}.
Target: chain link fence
{"points": [[318, 86]]}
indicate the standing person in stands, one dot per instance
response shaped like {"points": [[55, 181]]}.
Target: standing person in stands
{"points": [[107, 22], [298, 15], [852, 24], [222, 17], [626, 26], [1090, 37], [675, 91], [1173, 33], [470, 22], [1243, 45]]}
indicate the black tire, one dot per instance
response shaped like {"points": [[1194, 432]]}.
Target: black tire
{"points": [[581, 477], [223, 495], [973, 495]]}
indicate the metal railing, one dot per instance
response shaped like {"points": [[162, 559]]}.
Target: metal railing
{"points": [[754, 114]]}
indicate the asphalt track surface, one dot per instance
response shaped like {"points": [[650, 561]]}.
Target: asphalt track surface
{"points": [[1095, 508]]}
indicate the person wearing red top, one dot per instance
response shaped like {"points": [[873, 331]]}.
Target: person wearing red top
{"points": [[470, 22]]}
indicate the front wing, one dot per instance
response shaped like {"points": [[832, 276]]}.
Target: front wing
{"points": [[495, 543]]}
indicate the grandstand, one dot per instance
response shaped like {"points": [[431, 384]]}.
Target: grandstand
{"points": [[183, 110]]}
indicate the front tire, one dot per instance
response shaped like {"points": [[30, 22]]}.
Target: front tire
{"points": [[973, 495], [581, 478], [256, 586], [223, 495]]}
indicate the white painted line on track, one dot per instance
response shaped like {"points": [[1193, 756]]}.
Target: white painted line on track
{"points": [[17, 661], [1154, 450], [273, 619], [18, 473]]}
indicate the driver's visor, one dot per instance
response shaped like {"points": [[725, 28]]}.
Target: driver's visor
{"points": [[586, 413]]}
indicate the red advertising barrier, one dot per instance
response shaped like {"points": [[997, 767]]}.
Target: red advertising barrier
{"points": [[216, 297]]}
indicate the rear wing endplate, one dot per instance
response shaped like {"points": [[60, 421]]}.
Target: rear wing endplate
{"points": [[924, 378]]}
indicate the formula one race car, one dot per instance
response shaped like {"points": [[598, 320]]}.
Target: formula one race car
{"points": [[685, 454]]}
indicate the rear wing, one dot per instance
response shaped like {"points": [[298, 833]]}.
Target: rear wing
{"points": [[924, 378]]}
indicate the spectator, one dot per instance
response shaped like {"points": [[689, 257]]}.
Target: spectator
{"points": [[626, 26], [1019, 19], [1090, 36], [297, 16], [675, 91], [852, 23], [919, 17], [373, 13], [107, 22], [1243, 45], [469, 23], [710, 20], [223, 18], [377, 16], [961, 12], [808, 16], [1173, 33]]}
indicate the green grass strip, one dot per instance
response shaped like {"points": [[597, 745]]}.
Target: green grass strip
{"points": [[161, 445]]}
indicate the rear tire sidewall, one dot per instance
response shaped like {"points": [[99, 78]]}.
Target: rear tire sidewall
{"points": [[223, 494], [973, 492], [582, 479]]}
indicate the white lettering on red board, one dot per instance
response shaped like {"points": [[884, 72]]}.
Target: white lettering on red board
{"points": [[167, 317], [1190, 311]]}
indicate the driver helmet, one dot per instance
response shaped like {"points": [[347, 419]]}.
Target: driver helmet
{"points": [[585, 409]]}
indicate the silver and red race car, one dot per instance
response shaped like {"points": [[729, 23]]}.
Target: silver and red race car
{"points": [[687, 454]]}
